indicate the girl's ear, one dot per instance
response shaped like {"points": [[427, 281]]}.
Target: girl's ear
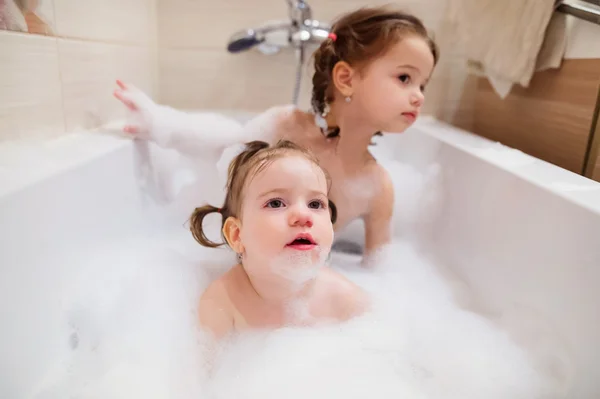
{"points": [[343, 78], [231, 231]]}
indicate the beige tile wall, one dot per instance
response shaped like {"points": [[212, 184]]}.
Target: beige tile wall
{"points": [[196, 72], [63, 81], [30, 91], [59, 77]]}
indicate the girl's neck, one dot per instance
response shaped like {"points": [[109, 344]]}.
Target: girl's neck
{"points": [[355, 135]]}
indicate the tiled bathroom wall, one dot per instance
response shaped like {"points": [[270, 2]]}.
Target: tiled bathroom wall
{"points": [[59, 60], [196, 72]]}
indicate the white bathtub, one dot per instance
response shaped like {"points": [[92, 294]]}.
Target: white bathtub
{"points": [[519, 231]]}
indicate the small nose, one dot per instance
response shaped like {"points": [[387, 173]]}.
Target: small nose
{"points": [[301, 216], [417, 97]]}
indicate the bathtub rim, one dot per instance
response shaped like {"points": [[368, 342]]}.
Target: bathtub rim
{"points": [[65, 153], [568, 185]]}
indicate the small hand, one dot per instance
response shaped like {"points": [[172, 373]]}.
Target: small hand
{"points": [[141, 107]]}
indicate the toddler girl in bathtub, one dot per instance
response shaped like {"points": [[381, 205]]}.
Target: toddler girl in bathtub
{"points": [[370, 75], [278, 219]]}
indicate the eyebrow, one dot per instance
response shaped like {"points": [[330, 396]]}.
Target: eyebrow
{"points": [[409, 66], [270, 192], [283, 190]]}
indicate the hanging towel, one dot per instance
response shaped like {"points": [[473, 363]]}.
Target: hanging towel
{"points": [[508, 40], [11, 17], [25, 16]]}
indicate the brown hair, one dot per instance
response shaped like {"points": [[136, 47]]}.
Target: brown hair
{"points": [[256, 156], [361, 36]]}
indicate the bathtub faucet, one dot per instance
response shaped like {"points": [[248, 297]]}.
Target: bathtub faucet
{"points": [[298, 32]]}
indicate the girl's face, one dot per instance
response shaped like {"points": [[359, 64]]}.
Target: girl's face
{"points": [[388, 92], [286, 228]]}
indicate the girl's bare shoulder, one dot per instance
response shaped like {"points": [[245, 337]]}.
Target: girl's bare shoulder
{"points": [[216, 311], [284, 122], [348, 299]]}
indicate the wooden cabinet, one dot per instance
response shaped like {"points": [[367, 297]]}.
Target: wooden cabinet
{"points": [[592, 168], [551, 119]]}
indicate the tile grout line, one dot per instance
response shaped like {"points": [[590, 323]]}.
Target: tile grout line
{"points": [[77, 38]]}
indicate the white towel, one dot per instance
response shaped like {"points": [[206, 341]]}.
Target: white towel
{"points": [[508, 40], [11, 17], [31, 16]]}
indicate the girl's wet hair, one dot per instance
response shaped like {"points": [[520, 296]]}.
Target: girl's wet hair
{"points": [[256, 156], [360, 37]]}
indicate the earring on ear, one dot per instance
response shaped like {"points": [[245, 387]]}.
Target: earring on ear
{"points": [[239, 257], [325, 110], [348, 99]]}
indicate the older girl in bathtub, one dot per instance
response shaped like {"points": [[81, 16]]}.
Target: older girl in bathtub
{"points": [[278, 219], [369, 77]]}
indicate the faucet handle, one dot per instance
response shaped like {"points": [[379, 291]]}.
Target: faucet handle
{"points": [[299, 12]]}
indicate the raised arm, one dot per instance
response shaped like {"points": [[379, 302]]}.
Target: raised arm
{"points": [[193, 134]]}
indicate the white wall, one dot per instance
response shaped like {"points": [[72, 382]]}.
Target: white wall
{"points": [[583, 39]]}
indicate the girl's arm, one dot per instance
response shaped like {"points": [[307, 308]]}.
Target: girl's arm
{"points": [[193, 134], [378, 222]]}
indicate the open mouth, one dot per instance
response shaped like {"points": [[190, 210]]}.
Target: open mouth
{"points": [[302, 242]]}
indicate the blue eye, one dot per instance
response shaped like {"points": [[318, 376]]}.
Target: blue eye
{"points": [[316, 204], [275, 203]]}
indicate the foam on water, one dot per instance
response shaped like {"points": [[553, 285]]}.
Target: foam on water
{"points": [[133, 328]]}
